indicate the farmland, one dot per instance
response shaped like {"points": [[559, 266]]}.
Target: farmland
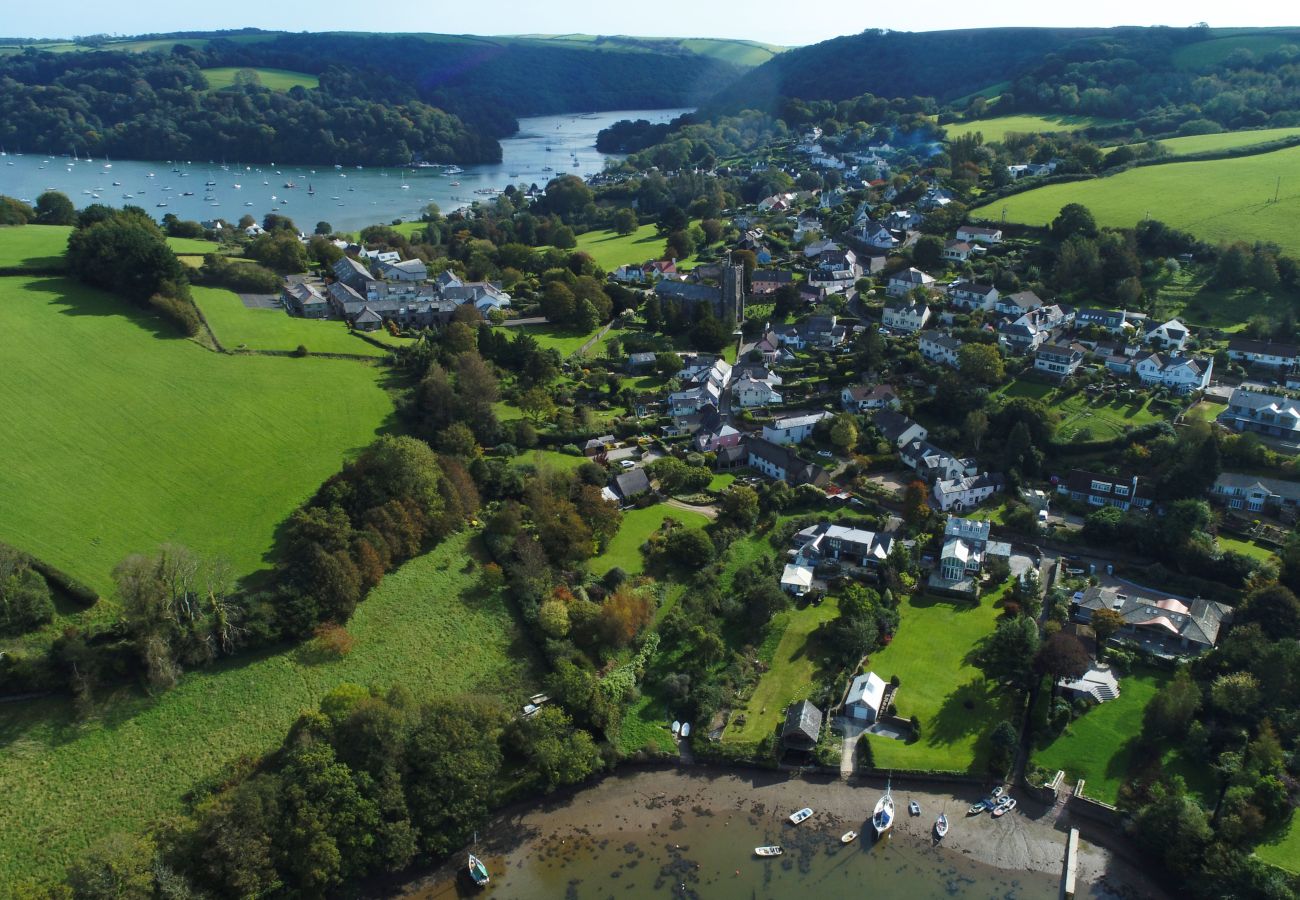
{"points": [[1240, 207], [956, 705], [117, 436], [33, 246], [238, 327], [997, 129], [275, 79], [1227, 140], [69, 782], [1214, 51], [611, 250]]}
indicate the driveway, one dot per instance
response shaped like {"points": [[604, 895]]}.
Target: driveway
{"points": [[895, 482], [261, 301]]}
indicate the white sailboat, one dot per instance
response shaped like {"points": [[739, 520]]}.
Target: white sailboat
{"points": [[882, 819]]}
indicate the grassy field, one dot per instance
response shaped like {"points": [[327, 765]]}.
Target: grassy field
{"points": [[998, 128], [238, 327], [742, 53], [1217, 200], [275, 79], [563, 340], [68, 783], [792, 675], [611, 250], [1188, 295], [1228, 140], [37, 246], [956, 705], [624, 551], [1247, 548], [116, 438], [553, 459], [1081, 419], [1216, 50], [1284, 850]]}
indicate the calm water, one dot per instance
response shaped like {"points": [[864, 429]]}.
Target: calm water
{"points": [[347, 198], [699, 854]]}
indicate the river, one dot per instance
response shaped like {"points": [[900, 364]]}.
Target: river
{"points": [[348, 198], [654, 834]]}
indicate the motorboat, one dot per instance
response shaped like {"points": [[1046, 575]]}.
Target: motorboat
{"points": [[686, 729], [882, 818], [768, 851], [1004, 806], [478, 872], [997, 792], [941, 826], [913, 808], [801, 815], [848, 837]]}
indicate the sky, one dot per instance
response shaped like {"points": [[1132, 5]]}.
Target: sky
{"points": [[773, 21]]}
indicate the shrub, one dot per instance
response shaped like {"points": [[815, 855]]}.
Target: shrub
{"points": [[333, 640], [301, 351]]}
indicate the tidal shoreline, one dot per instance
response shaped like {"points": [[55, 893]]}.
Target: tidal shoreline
{"points": [[650, 804]]}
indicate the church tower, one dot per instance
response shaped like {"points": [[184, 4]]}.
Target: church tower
{"points": [[732, 310]]}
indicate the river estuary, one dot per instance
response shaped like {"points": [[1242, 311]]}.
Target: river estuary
{"points": [[347, 197]]}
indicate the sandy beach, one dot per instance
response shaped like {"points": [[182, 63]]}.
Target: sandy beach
{"points": [[635, 804]]}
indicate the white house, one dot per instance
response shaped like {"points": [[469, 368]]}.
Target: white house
{"points": [[897, 428], [1178, 371], [1263, 353], [874, 234], [905, 315], [957, 251], [866, 695], [860, 398], [1019, 303], [940, 348], [1056, 360], [964, 493], [749, 392], [976, 234], [901, 283], [972, 296], [1171, 335], [796, 580], [793, 429]]}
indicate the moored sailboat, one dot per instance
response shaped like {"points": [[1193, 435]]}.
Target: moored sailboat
{"points": [[882, 819], [478, 872]]}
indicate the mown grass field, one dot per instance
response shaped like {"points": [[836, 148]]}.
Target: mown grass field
{"points": [[1283, 850], [742, 53], [611, 250], [33, 246], [560, 338], [792, 675], [624, 551], [275, 79], [430, 626], [956, 705], [1216, 50], [1217, 200], [996, 129], [1081, 419], [1188, 295], [1228, 140], [116, 436], [1247, 548], [238, 327], [1101, 745]]}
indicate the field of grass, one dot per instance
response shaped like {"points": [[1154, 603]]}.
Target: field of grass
{"points": [[36, 246], [624, 551], [275, 79], [792, 675], [1189, 296], [1247, 548], [1217, 200], [742, 53], [996, 129], [238, 327], [1101, 420], [68, 783], [956, 705], [116, 436], [563, 340], [552, 459], [1284, 850], [1216, 50], [611, 250], [645, 723], [1204, 411], [1228, 140]]}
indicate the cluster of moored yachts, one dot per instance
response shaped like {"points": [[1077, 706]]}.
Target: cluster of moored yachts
{"points": [[882, 818]]}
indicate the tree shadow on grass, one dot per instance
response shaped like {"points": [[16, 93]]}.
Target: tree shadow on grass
{"points": [[965, 711], [72, 298]]}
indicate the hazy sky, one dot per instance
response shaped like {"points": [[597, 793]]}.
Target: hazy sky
{"points": [[775, 21]]}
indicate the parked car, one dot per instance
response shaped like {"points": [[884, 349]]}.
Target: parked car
{"points": [[627, 464]]}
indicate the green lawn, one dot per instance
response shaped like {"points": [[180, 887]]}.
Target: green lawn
{"points": [[1189, 296], [645, 723], [611, 250], [996, 129], [1082, 419], [624, 551], [1284, 850], [562, 339], [275, 79], [1247, 548], [238, 327], [1227, 140], [956, 705], [552, 459], [68, 783], [1204, 411], [1217, 200], [37, 246], [195, 246], [792, 675], [116, 436]]}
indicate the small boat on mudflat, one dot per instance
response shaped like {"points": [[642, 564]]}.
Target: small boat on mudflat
{"points": [[801, 815], [882, 818], [768, 851], [848, 837], [478, 872], [941, 826]]}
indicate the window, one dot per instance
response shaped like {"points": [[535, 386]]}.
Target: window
{"points": [[1121, 490], [1235, 503], [1101, 487], [1097, 501]]}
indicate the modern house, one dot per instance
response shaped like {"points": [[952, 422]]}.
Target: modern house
{"points": [[977, 234], [796, 579], [1266, 414], [906, 281], [971, 296], [1115, 321], [1057, 360], [1167, 627], [1019, 303], [1255, 494], [861, 398], [961, 494], [905, 315], [407, 270], [966, 545], [793, 429], [1180, 372], [865, 699], [1171, 335], [1264, 353], [897, 428], [856, 547], [940, 348], [957, 251], [1120, 491], [783, 464], [803, 726]]}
